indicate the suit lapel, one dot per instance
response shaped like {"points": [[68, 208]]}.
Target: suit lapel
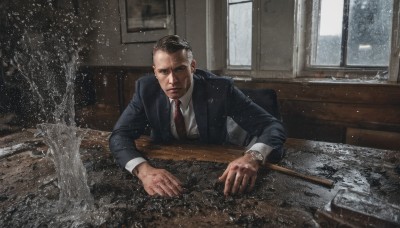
{"points": [[200, 107], [164, 110]]}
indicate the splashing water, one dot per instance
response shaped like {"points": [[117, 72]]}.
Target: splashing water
{"points": [[62, 137], [64, 142], [48, 62]]}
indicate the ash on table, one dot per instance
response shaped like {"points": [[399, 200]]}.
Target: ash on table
{"points": [[29, 193], [121, 201]]}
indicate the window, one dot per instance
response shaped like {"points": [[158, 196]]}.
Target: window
{"points": [[351, 33], [312, 38], [240, 34]]}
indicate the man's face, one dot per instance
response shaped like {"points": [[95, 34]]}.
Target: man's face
{"points": [[174, 72]]}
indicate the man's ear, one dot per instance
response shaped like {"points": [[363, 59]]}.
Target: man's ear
{"points": [[193, 66], [154, 70]]}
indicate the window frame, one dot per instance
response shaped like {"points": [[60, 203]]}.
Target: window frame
{"points": [[394, 73], [237, 67], [302, 29], [255, 70], [305, 33]]}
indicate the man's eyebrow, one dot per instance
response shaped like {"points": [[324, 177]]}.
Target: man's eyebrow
{"points": [[167, 68], [181, 66]]}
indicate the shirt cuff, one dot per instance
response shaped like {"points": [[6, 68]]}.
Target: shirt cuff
{"points": [[264, 149], [133, 163]]}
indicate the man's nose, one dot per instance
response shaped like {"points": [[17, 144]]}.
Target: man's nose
{"points": [[172, 78]]}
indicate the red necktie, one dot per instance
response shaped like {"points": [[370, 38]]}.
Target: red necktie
{"points": [[179, 121]]}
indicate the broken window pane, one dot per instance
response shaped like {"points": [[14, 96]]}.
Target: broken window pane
{"points": [[351, 33], [370, 23]]}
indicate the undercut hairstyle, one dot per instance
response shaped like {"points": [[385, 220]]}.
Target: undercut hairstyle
{"points": [[172, 44]]}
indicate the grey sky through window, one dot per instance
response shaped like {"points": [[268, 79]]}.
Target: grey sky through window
{"points": [[240, 33]]}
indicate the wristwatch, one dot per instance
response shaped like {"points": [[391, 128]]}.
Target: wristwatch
{"points": [[256, 156]]}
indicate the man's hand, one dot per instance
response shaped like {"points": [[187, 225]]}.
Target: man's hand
{"points": [[158, 181], [240, 175]]}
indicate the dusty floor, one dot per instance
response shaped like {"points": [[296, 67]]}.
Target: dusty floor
{"points": [[29, 193]]}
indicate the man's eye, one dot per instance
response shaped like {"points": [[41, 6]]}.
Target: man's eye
{"points": [[164, 72]]}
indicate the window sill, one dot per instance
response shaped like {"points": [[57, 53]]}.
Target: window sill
{"points": [[331, 80]]}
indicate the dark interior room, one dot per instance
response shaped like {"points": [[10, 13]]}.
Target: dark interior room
{"points": [[290, 113]]}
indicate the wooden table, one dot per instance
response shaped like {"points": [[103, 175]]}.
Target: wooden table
{"points": [[365, 172], [373, 172]]}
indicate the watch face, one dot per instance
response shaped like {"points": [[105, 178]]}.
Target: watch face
{"points": [[257, 155]]}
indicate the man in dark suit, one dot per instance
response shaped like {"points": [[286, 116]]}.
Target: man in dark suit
{"points": [[179, 102]]}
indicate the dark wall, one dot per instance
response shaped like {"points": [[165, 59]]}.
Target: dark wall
{"points": [[103, 93]]}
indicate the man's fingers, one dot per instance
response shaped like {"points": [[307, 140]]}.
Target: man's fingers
{"points": [[237, 184], [158, 190], [252, 182], [244, 184], [174, 182], [224, 175], [167, 190], [151, 192], [170, 185], [229, 182], [161, 182], [174, 187]]}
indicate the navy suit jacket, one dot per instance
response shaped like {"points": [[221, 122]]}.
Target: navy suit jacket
{"points": [[214, 98]]}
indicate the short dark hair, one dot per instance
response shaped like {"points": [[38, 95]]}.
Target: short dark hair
{"points": [[171, 44]]}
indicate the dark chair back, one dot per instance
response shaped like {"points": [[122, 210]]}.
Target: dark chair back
{"points": [[266, 99]]}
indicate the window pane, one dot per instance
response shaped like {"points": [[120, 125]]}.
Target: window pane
{"points": [[239, 41], [236, 1], [370, 23], [327, 33]]}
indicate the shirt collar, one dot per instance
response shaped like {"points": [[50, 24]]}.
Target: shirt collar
{"points": [[185, 99]]}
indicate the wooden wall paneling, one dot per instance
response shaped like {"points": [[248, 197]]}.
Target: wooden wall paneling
{"points": [[129, 87], [103, 113], [331, 92], [311, 130], [84, 88], [129, 83], [323, 111], [371, 138], [106, 87], [351, 114]]}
